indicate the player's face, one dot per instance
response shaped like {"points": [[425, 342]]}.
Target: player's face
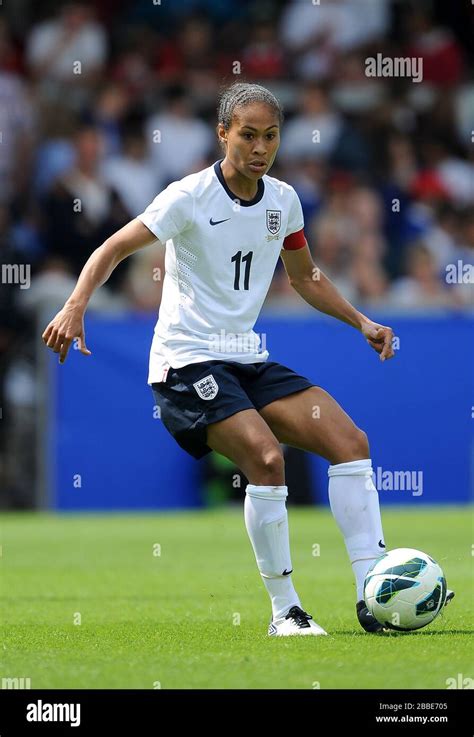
{"points": [[252, 140]]}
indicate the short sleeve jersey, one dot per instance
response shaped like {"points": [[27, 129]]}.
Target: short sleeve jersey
{"points": [[221, 253]]}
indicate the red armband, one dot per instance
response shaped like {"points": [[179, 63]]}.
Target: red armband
{"points": [[295, 240]]}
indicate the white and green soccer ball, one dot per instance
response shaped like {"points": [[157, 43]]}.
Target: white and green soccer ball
{"points": [[405, 589]]}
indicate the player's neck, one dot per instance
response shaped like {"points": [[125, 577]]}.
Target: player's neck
{"points": [[242, 187]]}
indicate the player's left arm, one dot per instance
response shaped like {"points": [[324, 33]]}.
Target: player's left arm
{"points": [[316, 289]]}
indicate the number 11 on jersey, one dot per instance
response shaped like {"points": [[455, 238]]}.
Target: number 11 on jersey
{"points": [[237, 258]]}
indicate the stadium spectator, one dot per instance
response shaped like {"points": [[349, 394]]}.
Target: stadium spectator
{"points": [[132, 173], [463, 259], [443, 63], [421, 287], [167, 130], [10, 57], [55, 152], [308, 178], [192, 48], [319, 130], [443, 235], [263, 56], [315, 34], [133, 68], [52, 286], [107, 113], [353, 92], [12, 330], [328, 236], [66, 55], [315, 128], [81, 210], [17, 122]]}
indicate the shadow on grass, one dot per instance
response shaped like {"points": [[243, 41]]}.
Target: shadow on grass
{"points": [[418, 633]]}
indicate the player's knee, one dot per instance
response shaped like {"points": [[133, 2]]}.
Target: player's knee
{"points": [[269, 465], [354, 447], [358, 445]]}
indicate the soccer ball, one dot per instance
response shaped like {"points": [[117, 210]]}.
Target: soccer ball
{"points": [[405, 589]]}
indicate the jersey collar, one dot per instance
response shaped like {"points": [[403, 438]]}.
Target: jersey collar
{"points": [[243, 203]]}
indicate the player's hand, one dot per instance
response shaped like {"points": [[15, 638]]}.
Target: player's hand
{"points": [[63, 329], [380, 337]]}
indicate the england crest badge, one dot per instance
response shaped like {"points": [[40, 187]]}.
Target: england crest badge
{"points": [[273, 221], [207, 388]]}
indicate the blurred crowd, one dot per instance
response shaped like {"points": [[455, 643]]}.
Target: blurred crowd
{"points": [[103, 104]]}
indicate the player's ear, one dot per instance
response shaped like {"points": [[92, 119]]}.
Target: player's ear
{"points": [[221, 134]]}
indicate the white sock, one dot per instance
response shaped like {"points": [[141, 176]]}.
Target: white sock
{"points": [[266, 520], [354, 503]]}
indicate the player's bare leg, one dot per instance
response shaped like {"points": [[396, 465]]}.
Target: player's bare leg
{"points": [[313, 421], [246, 439]]}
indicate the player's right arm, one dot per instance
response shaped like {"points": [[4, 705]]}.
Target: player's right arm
{"points": [[69, 322]]}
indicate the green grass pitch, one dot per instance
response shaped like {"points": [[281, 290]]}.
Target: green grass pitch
{"points": [[175, 601]]}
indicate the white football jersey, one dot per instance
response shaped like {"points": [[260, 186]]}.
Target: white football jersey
{"points": [[221, 253]]}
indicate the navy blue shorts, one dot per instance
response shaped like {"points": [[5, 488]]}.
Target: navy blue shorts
{"points": [[199, 394]]}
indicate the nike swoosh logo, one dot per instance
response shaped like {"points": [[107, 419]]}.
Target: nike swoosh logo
{"points": [[381, 543], [287, 573], [216, 222]]}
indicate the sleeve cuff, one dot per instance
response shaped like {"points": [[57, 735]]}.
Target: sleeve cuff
{"points": [[157, 232]]}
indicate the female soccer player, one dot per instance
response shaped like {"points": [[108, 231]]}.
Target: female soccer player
{"points": [[224, 229]]}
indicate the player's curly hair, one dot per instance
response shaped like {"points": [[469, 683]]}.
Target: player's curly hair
{"points": [[244, 93]]}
